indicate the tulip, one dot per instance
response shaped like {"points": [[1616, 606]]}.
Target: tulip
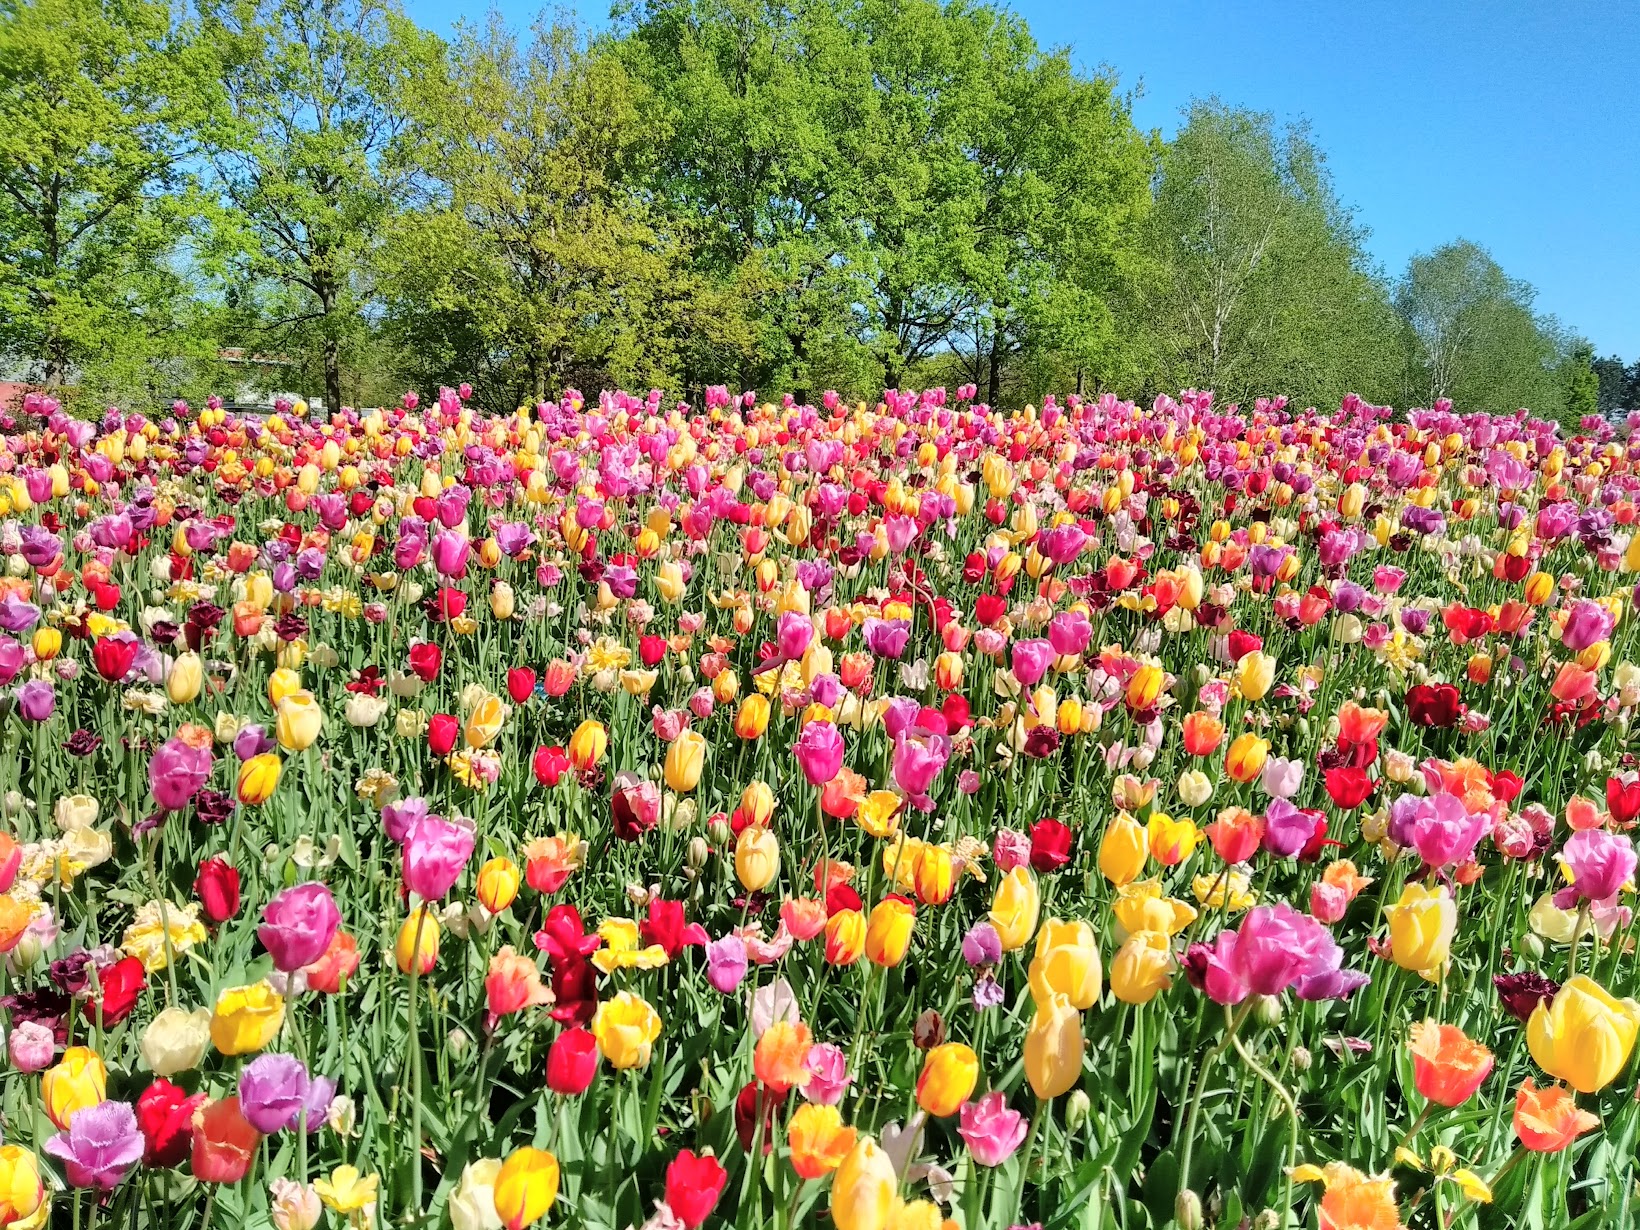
{"points": [[992, 1130], [484, 722], [888, 931], [693, 1186], [185, 678], [298, 925], [1014, 909], [21, 1191], [626, 1028], [79, 1080], [258, 777], [572, 1062], [497, 886], [1066, 963], [1255, 672], [298, 722], [1548, 1120], [525, 1187], [949, 1074], [1142, 967], [1145, 687], [175, 1040], [819, 752], [864, 1188], [436, 851], [1123, 850], [1053, 1048], [1244, 759], [818, 1140], [845, 937], [273, 1090], [588, 744], [752, 717], [246, 1018], [685, 759], [417, 942], [1421, 926], [1447, 1066], [1585, 1035], [757, 859], [224, 1144], [217, 887]]}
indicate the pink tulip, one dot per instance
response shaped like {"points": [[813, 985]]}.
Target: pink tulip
{"points": [[176, 773], [1587, 623], [298, 925], [1031, 660], [828, 1074], [819, 752], [991, 1129], [435, 852], [1601, 864]]}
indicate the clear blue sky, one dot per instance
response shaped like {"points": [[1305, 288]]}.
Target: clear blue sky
{"points": [[1514, 124]]}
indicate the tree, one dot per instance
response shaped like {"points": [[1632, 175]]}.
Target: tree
{"points": [[1579, 381], [1619, 384], [1256, 280], [299, 151], [96, 101], [1476, 338]]}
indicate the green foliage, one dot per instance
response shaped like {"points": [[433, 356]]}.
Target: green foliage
{"points": [[1257, 279], [95, 200], [1475, 338]]}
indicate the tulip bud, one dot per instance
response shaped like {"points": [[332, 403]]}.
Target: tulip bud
{"points": [[1268, 1219], [1270, 1011], [458, 1041], [1187, 1210], [698, 852], [1077, 1108]]}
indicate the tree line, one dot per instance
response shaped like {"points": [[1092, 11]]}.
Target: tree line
{"points": [[817, 194]]}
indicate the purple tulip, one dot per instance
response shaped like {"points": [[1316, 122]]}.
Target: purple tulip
{"points": [[100, 1146], [726, 963], [36, 700], [886, 638], [273, 1090], [1601, 863], [1275, 948], [176, 773]]}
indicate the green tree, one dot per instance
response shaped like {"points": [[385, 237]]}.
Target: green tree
{"points": [[299, 150], [534, 239], [1476, 339], [1580, 382], [1256, 281], [97, 98]]}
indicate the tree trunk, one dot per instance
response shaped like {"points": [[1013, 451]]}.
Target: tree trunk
{"points": [[993, 381], [333, 375]]}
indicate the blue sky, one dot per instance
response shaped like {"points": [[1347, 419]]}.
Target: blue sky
{"points": [[1514, 124]]}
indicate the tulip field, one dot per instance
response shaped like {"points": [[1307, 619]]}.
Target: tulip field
{"points": [[884, 816]]}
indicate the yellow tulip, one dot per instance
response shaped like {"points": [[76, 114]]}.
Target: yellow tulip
{"points": [[246, 1018], [47, 643], [757, 858], [282, 683], [1053, 1048], [1421, 926], [76, 1081], [498, 882], [588, 744], [1585, 1036], [1245, 757], [1254, 674], [1142, 968], [184, 679], [417, 942], [685, 760], [525, 1187], [949, 1073], [485, 721], [669, 582], [1066, 963], [626, 1028], [258, 777], [1014, 909], [299, 721], [1123, 850], [21, 1192], [1145, 687], [888, 931], [752, 718], [864, 1188]]}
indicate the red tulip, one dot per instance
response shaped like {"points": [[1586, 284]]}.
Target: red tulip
{"points": [[520, 684], [165, 1114], [217, 887], [1348, 787], [746, 1113], [224, 1142], [549, 764], [448, 604], [693, 1185], [1434, 704], [988, 608], [339, 961], [1622, 797], [425, 660], [651, 649], [1050, 845], [442, 732], [1244, 643], [11, 858], [113, 658], [572, 1062], [117, 988]]}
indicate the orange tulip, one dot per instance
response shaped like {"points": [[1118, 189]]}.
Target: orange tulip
{"points": [[781, 1057], [1202, 733], [1447, 1065], [819, 1140], [1549, 1119]]}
